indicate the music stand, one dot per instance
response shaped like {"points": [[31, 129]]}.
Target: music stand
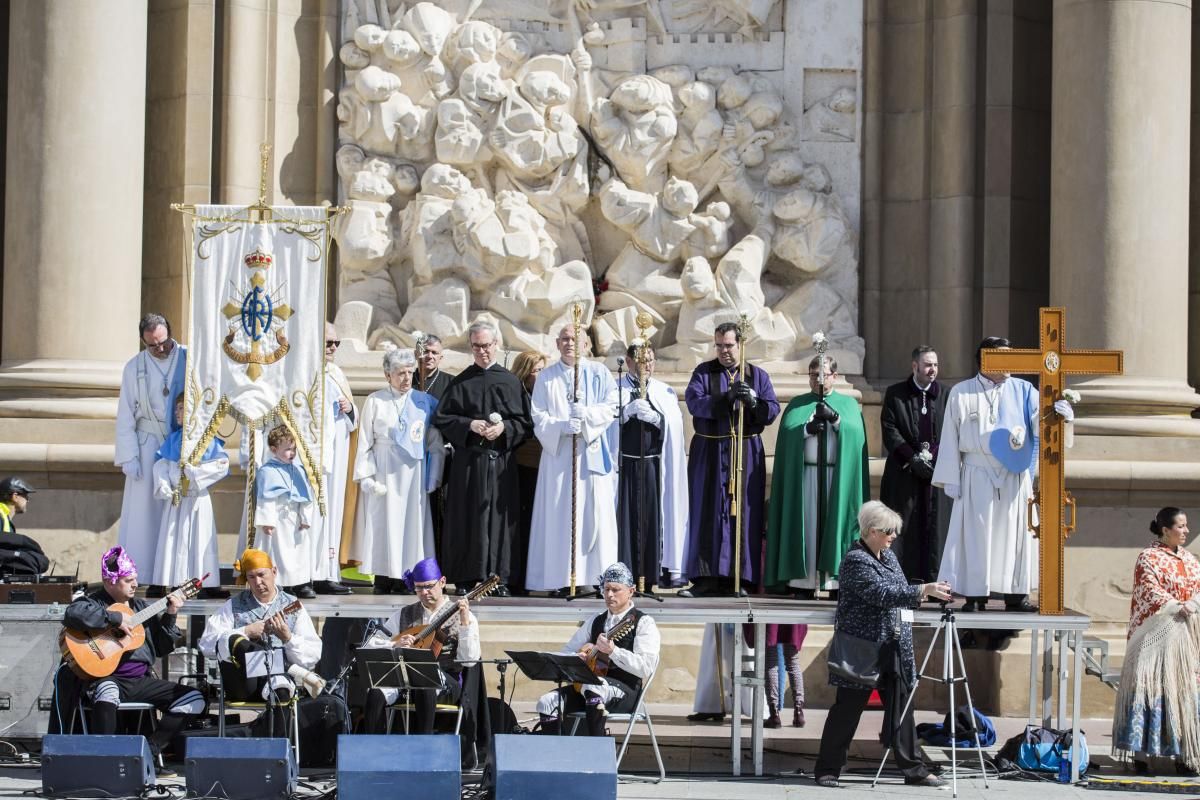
{"points": [[401, 668], [560, 668]]}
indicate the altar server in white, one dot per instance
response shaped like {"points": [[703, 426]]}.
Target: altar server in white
{"points": [[149, 384], [341, 419], [555, 420], [187, 533], [986, 459], [283, 513], [399, 462]]}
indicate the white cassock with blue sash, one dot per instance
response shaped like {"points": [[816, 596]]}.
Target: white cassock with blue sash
{"points": [[399, 461], [986, 459], [549, 565]]}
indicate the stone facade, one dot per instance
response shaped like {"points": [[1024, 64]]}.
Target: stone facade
{"points": [[984, 159]]}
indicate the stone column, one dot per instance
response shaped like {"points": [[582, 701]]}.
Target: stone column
{"points": [[73, 206], [1119, 205]]}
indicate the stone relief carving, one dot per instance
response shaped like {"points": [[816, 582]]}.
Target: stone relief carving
{"points": [[502, 170]]}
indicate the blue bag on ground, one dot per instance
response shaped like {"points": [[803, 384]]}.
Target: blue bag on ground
{"points": [[1044, 750]]}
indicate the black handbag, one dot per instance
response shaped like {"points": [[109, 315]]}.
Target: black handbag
{"points": [[854, 659]]}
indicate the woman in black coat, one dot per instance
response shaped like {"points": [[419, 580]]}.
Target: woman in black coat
{"points": [[872, 592]]}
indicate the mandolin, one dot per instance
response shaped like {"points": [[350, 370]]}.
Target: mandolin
{"points": [[598, 662], [426, 636], [96, 655]]}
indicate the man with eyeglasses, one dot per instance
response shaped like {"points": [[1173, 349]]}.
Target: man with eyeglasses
{"points": [[714, 396], [815, 498], [484, 414], [459, 636], [341, 420], [150, 383]]}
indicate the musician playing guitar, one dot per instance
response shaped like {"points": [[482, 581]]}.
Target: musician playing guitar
{"points": [[259, 619], [630, 655], [459, 638], [133, 681]]}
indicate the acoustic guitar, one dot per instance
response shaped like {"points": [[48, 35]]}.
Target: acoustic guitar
{"points": [[96, 655], [598, 662], [426, 637]]}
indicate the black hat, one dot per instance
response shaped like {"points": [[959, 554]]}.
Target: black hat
{"points": [[14, 485]]}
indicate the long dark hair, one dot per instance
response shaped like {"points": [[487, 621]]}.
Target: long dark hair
{"points": [[1165, 518]]}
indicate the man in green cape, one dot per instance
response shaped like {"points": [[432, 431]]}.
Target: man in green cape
{"points": [[797, 555]]}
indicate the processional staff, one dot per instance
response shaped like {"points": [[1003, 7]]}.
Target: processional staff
{"points": [[737, 461], [643, 321], [577, 316]]}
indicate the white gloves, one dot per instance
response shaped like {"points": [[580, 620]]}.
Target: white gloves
{"points": [[577, 410], [1065, 410], [373, 486], [574, 426], [133, 468], [641, 409], [952, 491]]}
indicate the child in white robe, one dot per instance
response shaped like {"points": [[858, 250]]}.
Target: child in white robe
{"points": [[283, 512]]}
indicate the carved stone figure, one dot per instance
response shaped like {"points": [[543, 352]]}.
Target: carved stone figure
{"points": [[497, 167]]}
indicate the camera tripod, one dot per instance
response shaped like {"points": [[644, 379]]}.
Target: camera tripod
{"points": [[951, 655]]}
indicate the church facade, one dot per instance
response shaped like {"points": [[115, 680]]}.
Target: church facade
{"points": [[891, 173]]}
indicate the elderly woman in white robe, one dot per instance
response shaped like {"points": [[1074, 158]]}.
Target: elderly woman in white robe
{"points": [[399, 461]]}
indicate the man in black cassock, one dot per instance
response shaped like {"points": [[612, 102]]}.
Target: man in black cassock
{"points": [[484, 414], [912, 419]]}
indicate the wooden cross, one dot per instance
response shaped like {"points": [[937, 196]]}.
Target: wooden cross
{"points": [[1052, 361]]}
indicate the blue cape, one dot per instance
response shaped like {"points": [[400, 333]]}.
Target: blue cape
{"points": [[171, 446], [276, 479]]}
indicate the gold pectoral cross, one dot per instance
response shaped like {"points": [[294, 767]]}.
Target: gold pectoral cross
{"points": [[1052, 361]]}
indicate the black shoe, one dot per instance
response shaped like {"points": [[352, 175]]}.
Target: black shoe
{"points": [[461, 591], [213, 593], [304, 591], [1181, 768], [559, 594], [502, 591], [928, 780], [1021, 605], [1141, 767], [700, 716], [382, 585], [331, 587], [685, 593], [163, 771], [827, 781], [400, 586]]}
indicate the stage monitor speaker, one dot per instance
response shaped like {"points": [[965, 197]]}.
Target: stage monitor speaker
{"points": [[240, 769], [372, 767], [555, 766], [96, 766]]}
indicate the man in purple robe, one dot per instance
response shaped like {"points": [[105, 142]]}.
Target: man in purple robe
{"points": [[714, 396]]}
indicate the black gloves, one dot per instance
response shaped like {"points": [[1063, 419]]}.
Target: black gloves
{"points": [[920, 468], [826, 412], [740, 391]]}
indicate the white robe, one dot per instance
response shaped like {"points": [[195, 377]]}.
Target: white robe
{"points": [[714, 676], [989, 547], [140, 432], [289, 544], [673, 497], [187, 533], [327, 530], [549, 565], [394, 531]]}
